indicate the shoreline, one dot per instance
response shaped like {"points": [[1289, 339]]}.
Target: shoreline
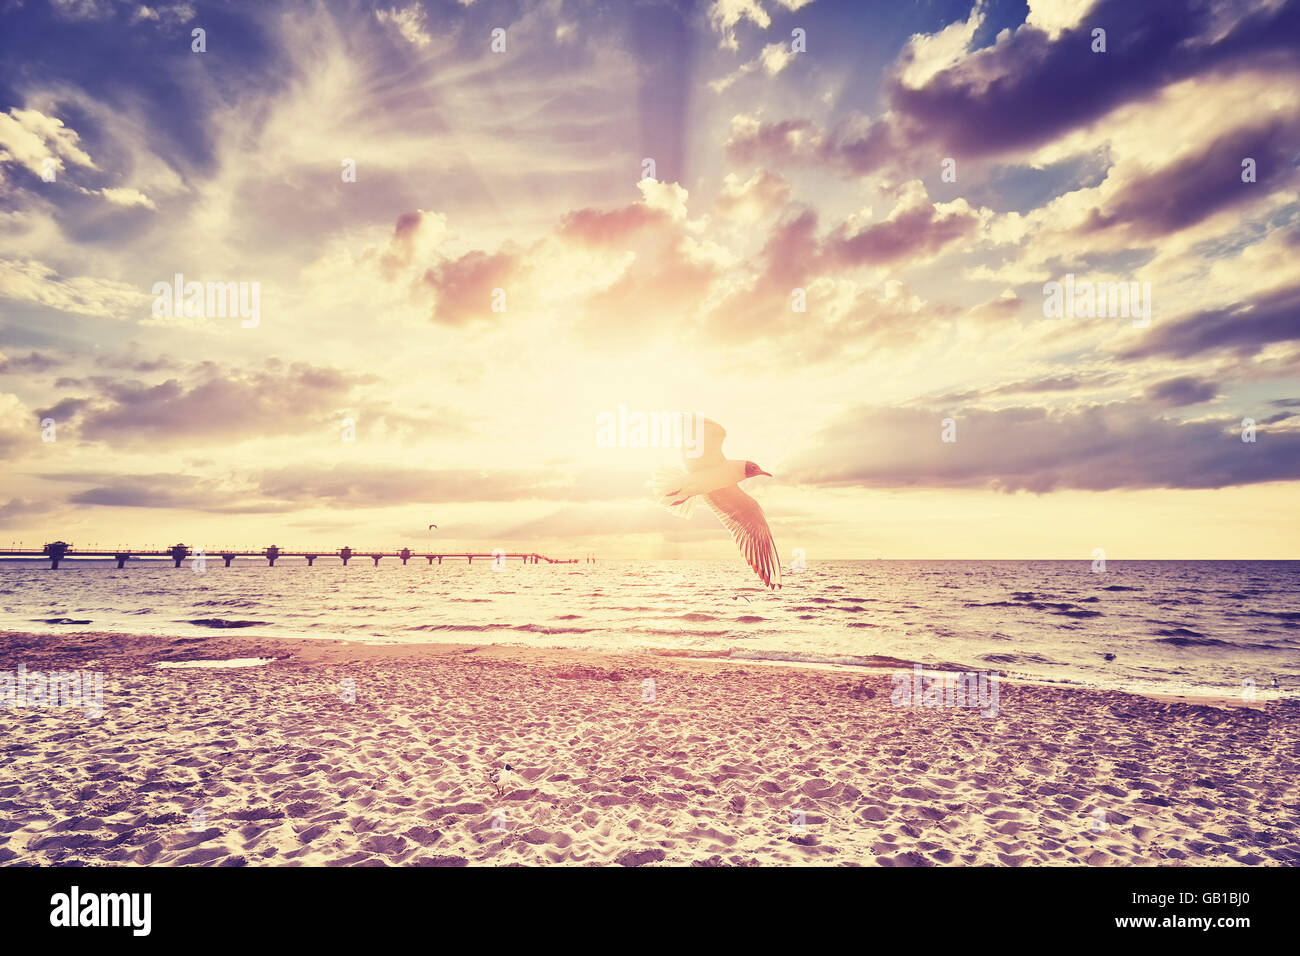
{"points": [[862, 664], [346, 753]]}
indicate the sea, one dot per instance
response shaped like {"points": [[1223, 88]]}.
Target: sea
{"points": [[1227, 628]]}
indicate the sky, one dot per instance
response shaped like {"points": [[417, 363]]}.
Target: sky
{"points": [[475, 228]]}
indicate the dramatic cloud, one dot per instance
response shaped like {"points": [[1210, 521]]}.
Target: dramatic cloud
{"points": [[169, 491], [1181, 391], [1029, 87], [224, 404], [1245, 327], [1186, 192], [915, 229], [462, 254], [1091, 448]]}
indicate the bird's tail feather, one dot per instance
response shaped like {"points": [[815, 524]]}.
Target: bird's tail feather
{"points": [[665, 485]]}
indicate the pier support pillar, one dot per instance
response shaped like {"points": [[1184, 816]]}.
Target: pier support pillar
{"points": [[121, 559], [310, 559], [56, 550], [376, 558], [227, 558], [430, 557], [440, 559], [178, 561]]}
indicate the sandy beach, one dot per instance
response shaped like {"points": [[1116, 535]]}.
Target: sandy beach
{"points": [[350, 754]]}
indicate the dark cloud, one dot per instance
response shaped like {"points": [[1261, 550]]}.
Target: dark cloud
{"points": [[213, 403], [309, 485], [1185, 192], [1180, 391], [131, 361], [31, 362], [1092, 448], [17, 508], [169, 491], [401, 245], [1244, 327], [1053, 383], [64, 410], [1027, 89]]}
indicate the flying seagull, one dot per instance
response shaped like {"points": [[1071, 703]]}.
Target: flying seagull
{"points": [[716, 480], [432, 526]]}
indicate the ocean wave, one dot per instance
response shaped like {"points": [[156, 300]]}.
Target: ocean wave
{"points": [[1182, 641], [1179, 632], [481, 628], [221, 622], [815, 657], [543, 629], [458, 627], [1021, 658]]}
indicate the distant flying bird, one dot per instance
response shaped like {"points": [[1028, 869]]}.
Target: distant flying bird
{"points": [[432, 526], [716, 479]]}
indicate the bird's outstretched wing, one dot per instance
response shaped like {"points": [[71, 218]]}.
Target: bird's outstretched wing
{"points": [[707, 452], [741, 515]]}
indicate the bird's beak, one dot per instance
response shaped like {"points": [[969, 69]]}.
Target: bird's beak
{"points": [[762, 472]]}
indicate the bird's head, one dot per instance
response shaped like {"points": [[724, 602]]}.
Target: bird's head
{"points": [[752, 470]]}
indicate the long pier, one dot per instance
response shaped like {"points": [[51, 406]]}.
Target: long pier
{"points": [[57, 551]]}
